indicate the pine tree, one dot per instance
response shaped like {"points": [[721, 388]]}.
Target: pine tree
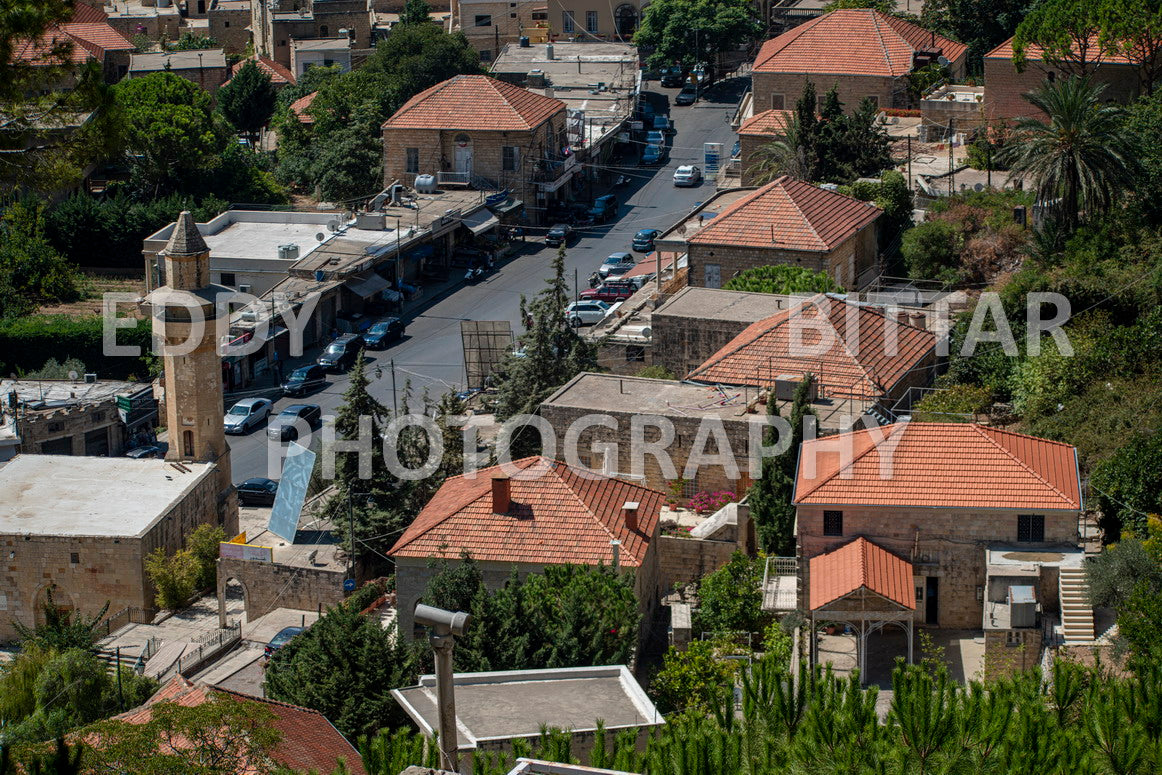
{"points": [[248, 100], [770, 496]]}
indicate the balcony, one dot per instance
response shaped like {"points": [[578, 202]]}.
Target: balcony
{"points": [[551, 174]]}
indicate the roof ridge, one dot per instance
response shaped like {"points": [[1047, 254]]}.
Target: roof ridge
{"points": [[792, 34], [854, 458], [880, 36], [254, 698], [799, 209], [558, 464], [996, 443], [869, 377], [721, 356]]}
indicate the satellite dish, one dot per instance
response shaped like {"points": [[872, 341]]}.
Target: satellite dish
{"points": [[333, 225], [978, 187], [320, 237], [73, 375], [942, 60]]}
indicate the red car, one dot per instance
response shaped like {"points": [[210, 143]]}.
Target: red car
{"points": [[610, 292]]}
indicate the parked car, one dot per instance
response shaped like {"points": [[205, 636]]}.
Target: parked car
{"points": [[245, 414], [280, 640], [341, 353], [610, 291], [305, 379], [257, 491], [282, 427], [586, 313], [662, 124], [736, 150], [688, 95], [687, 175], [655, 137], [673, 77], [643, 241], [148, 452], [622, 261], [604, 208], [559, 235], [654, 154], [381, 333]]}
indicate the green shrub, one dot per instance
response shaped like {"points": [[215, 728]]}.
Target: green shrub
{"points": [[950, 404], [730, 599], [784, 279], [655, 372], [695, 679], [175, 577], [1128, 485], [932, 251], [29, 343]]}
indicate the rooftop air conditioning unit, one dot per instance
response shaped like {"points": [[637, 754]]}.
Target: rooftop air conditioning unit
{"points": [[244, 288], [785, 385], [90, 378], [1022, 607]]}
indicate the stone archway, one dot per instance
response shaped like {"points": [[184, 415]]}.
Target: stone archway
{"points": [[626, 19], [63, 601], [231, 592]]}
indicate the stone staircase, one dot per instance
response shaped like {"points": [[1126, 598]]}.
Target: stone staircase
{"points": [[1076, 612]]}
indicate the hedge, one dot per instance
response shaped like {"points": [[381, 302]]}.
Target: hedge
{"points": [[27, 343]]}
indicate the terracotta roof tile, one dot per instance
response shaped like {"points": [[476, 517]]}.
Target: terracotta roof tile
{"points": [[860, 564], [859, 364], [788, 214], [851, 41], [279, 75], [100, 36], [469, 102], [557, 517], [301, 106], [940, 465], [309, 741], [83, 12], [1034, 53], [766, 124], [41, 51]]}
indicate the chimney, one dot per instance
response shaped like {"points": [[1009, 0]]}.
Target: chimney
{"points": [[616, 546], [501, 494], [629, 510]]}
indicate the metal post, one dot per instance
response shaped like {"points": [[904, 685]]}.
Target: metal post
{"points": [[120, 693], [394, 404], [910, 184], [951, 159], [351, 535], [446, 702], [988, 158], [576, 284]]}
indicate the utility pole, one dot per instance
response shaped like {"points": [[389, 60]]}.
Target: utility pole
{"points": [[951, 159], [910, 163], [394, 403]]}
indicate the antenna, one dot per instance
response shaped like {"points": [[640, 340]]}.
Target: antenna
{"points": [[73, 376], [320, 237], [333, 224]]}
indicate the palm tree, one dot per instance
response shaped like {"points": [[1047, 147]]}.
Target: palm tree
{"points": [[786, 154], [1079, 159]]}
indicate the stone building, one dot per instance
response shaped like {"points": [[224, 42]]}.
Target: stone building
{"points": [[489, 24], [229, 23], [103, 418], [472, 130], [547, 514], [790, 222], [275, 25], [955, 500], [863, 53], [753, 134], [206, 68], [1006, 86], [854, 351], [630, 406], [82, 526]]}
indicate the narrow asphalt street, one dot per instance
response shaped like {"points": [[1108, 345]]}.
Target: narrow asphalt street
{"points": [[430, 355]]}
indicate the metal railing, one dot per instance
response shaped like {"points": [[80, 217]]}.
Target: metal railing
{"points": [[128, 615], [211, 643]]}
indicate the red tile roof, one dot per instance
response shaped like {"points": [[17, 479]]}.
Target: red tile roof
{"points": [[98, 37], [83, 12], [788, 214], [88, 40], [766, 124], [852, 41], [859, 364], [860, 564], [309, 741], [475, 102], [299, 108], [41, 51], [557, 517], [1034, 53], [279, 75], [940, 465]]}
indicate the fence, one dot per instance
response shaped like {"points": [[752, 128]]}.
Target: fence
{"points": [[128, 615], [211, 644]]}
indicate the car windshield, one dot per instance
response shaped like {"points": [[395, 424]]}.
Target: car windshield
{"points": [[239, 409], [334, 349], [299, 375], [379, 328]]}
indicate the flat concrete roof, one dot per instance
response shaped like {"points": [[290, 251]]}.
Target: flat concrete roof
{"points": [[517, 703], [688, 226], [672, 398], [321, 44], [717, 304], [177, 60], [131, 8], [61, 495], [614, 64], [67, 392]]}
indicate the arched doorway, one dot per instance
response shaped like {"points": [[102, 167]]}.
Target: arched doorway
{"points": [[626, 18], [463, 154], [232, 599]]}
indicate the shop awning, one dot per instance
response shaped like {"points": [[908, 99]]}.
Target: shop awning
{"points": [[480, 221], [508, 207], [367, 284]]}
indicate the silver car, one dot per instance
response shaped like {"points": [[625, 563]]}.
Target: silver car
{"points": [[586, 313], [246, 414], [687, 175]]}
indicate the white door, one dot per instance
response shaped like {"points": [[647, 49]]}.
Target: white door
{"points": [[463, 155], [713, 276]]}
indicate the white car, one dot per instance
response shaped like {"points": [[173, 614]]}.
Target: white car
{"points": [[687, 175], [586, 313], [245, 414], [617, 264]]}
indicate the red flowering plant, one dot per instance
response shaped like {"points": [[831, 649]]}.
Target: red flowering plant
{"points": [[710, 502]]}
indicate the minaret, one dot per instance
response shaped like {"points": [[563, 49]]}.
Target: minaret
{"points": [[194, 404]]}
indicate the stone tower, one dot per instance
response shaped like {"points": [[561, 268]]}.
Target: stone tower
{"points": [[193, 369]]}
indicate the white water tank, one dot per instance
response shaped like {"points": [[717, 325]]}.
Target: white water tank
{"points": [[425, 184]]}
